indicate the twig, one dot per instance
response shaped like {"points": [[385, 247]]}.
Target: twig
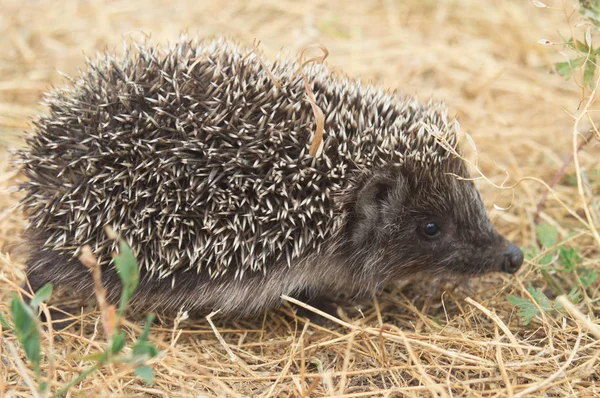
{"points": [[347, 354], [498, 322], [312, 386], [430, 384], [107, 312], [234, 358], [556, 374], [286, 368], [503, 373], [580, 189], [481, 175], [51, 368], [318, 112], [574, 311], [392, 336], [254, 51]]}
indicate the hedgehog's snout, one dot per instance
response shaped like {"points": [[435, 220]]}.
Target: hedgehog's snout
{"points": [[512, 259]]}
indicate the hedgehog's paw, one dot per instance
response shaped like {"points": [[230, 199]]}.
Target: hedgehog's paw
{"points": [[323, 303]]}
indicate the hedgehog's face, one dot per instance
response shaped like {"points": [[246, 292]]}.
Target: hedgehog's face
{"points": [[404, 223]]}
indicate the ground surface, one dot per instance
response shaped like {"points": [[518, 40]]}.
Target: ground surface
{"points": [[482, 58]]}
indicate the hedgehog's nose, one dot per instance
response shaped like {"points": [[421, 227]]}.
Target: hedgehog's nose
{"points": [[513, 259]]}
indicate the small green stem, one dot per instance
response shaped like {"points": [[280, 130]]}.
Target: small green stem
{"points": [[76, 380]]}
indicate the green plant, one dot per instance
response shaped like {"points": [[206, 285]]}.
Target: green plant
{"points": [[581, 66], [529, 310], [27, 329], [561, 268], [582, 55], [26, 325]]}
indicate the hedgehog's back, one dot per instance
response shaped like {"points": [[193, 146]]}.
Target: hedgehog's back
{"points": [[201, 162]]}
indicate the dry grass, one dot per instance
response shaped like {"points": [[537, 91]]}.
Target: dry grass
{"points": [[481, 58]]}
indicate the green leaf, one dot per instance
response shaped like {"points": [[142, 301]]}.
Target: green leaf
{"points": [[569, 257], [547, 235], [22, 315], [574, 296], [117, 343], [541, 298], [145, 373], [26, 330], [587, 276], [528, 310], [546, 259], [589, 72], [42, 295], [127, 268], [590, 9], [146, 332], [577, 46], [567, 68], [530, 253], [31, 345], [145, 349]]}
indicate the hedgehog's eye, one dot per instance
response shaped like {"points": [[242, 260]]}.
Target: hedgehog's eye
{"points": [[430, 229]]}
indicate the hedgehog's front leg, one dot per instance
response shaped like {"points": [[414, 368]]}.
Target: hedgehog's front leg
{"points": [[321, 302]]}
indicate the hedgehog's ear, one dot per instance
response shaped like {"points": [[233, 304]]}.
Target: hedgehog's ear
{"points": [[370, 206]]}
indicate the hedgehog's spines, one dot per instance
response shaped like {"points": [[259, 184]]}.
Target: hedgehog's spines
{"points": [[194, 154]]}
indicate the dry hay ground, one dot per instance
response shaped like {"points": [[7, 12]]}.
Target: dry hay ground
{"points": [[482, 59]]}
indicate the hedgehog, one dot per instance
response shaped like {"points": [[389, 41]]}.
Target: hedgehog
{"points": [[198, 153]]}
